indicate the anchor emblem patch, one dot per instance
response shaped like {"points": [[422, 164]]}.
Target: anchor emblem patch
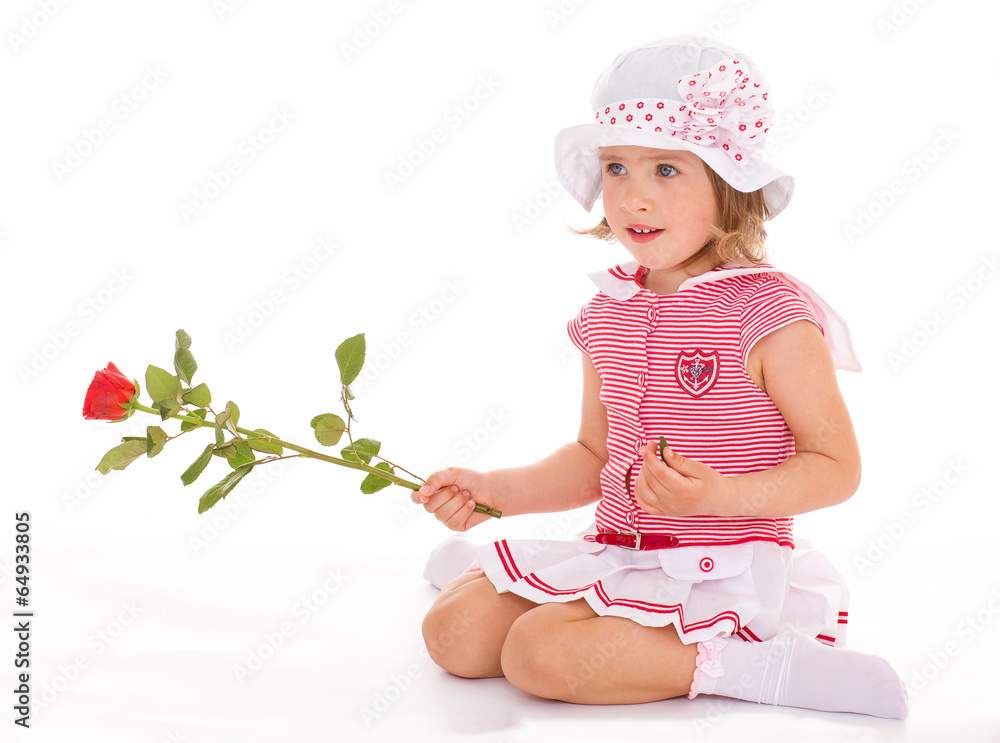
{"points": [[697, 371]]}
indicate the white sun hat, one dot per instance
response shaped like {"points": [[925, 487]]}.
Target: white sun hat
{"points": [[678, 93]]}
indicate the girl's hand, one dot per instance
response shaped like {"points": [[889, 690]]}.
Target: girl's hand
{"points": [[451, 494], [679, 487]]}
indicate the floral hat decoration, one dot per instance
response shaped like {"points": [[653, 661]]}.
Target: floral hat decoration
{"points": [[678, 93]]}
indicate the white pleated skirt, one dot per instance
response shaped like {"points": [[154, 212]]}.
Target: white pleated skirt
{"points": [[752, 590]]}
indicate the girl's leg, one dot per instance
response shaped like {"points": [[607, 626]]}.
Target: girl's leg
{"points": [[568, 652], [466, 626], [795, 670]]}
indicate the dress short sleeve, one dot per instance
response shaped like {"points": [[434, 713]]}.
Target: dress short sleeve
{"points": [[772, 305], [579, 331]]}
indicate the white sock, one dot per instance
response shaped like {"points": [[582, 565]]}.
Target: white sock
{"points": [[795, 670], [449, 560]]}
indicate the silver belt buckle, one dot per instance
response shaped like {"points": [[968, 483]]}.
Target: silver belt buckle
{"points": [[638, 539]]}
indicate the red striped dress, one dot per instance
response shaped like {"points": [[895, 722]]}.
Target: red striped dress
{"points": [[675, 366]]}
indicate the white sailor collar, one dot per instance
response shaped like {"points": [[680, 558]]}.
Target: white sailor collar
{"points": [[622, 283]]}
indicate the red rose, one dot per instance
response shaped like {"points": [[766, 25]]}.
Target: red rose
{"points": [[109, 391]]}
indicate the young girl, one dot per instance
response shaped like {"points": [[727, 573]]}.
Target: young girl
{"points": [[690, 580]]}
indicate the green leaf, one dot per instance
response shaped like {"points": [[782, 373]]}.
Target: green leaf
{"points": [[228, 417], [155, 439], [362, 451], [244, 455], [168, 408], [373, 483], [350, 358], [162, 385], [183, 340], [264, 441], [222, 488], [199, 396], [185, 426], [185, 365], [219, 437], [329, 428], [226, 450], [198, 466], [122, 455]]}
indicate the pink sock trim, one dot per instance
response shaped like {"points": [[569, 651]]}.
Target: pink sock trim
{"points": [[707, 664], [474, 567]]}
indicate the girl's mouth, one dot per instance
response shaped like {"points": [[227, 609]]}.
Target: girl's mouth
{"points": [[643, 235]]}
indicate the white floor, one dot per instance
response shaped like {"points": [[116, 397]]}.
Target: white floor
{"points": [[280, 629], [274, 178]]}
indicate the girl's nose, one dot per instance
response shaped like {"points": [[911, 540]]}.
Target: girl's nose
{"points": [[635, 198]]}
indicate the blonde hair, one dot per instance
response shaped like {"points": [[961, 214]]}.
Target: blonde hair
{"points": [[738, 238]]}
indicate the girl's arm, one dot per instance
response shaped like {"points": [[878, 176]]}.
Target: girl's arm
{"points": [[825, 470], [568, 478]]}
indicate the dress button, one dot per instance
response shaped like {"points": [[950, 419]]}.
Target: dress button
{"points": [[630, 518], [638, 446], [706, 564], [640, 379], [651, 314]]}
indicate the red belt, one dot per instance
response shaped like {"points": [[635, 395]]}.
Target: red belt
{"points": [[633, 540]]}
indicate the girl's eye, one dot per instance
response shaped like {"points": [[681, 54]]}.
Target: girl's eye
{"points": [[667, 170], [616, 168]]}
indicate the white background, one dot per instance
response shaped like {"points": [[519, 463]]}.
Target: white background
{"points": [[144, 609]]}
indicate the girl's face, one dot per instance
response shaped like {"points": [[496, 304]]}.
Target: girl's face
{"points": [[659, 204]]}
